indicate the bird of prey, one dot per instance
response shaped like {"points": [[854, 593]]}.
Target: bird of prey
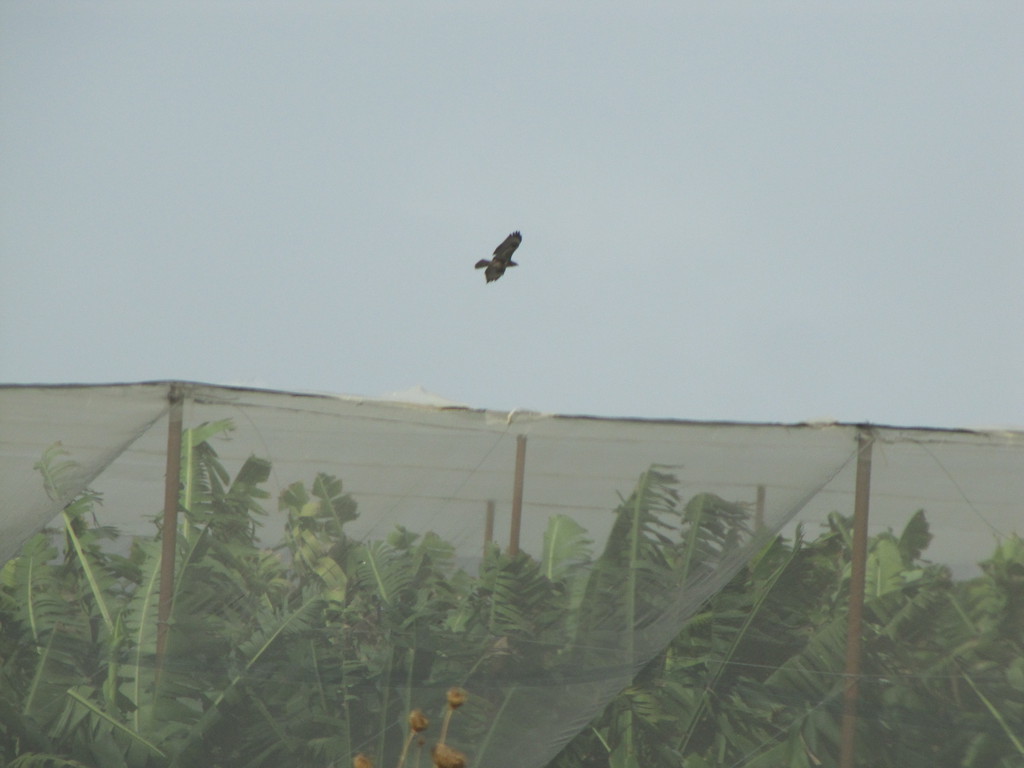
{"points": [[502, 259]]}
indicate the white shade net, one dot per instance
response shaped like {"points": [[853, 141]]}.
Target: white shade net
{"points": [[352, 561]]}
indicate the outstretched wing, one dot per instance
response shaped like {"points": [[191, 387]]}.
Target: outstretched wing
{"points": [[504, 251]]}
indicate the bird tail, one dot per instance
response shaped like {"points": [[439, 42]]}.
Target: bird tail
{"points": [[482, 263]]}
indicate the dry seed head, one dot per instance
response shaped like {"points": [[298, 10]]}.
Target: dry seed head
{"points": [[446, 757], [457, 697], [361, 761], [418, 721]]}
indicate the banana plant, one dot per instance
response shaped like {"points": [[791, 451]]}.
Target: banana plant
{"points": [[313, 652]]}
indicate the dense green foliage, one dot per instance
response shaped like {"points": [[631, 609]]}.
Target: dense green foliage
{"points": [[307, 654], [755, 678]]}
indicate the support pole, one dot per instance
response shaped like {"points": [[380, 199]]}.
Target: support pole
{"points": [[489, 526], [856, 609], [517, 495], [759, 509], [170, 523]]}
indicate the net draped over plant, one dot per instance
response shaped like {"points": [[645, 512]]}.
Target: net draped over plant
{"points": [[676, 595]]}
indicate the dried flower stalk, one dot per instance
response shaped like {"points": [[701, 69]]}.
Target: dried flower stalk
{"points": [[417, 724], [446, 757], [456, 698], [442, 755]]}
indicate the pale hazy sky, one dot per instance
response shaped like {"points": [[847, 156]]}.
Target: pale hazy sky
{"points": [[744, 211]]}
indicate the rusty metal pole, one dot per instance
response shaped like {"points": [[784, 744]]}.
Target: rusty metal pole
{"points": [[170, 525], [856, 610], [517, 495]]}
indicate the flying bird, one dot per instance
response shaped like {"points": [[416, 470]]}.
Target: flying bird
{"points": [[502, 259]]}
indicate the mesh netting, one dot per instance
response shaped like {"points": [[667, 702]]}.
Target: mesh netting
{"points": [[341, 562]]}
